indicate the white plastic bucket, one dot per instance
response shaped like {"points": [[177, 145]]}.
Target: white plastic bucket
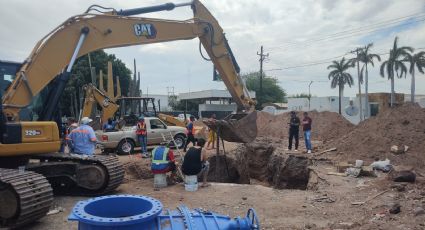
{"points": [[191, 183], [359, 163], [160, 180]]}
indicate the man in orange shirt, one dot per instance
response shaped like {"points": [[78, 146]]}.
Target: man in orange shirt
{"points": [[142, 136]]}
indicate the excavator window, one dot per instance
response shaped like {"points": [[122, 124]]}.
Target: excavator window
{"points": [[8, 70]]}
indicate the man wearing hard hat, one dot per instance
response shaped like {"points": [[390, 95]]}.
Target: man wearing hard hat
{"points": [[83, 139]]}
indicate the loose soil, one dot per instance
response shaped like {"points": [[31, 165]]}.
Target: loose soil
{"points": [[326, 125], [372, 139], [262, 162], [327, 206], [295, 190]]}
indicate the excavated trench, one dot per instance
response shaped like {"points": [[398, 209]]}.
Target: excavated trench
{"points": [[261, 161]]}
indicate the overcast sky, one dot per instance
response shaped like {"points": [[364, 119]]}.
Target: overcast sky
{"points": [[294, 33]]}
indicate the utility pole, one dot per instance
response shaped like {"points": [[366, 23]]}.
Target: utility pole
{"points": [[262, 58], [356, 52], [309, 94]]}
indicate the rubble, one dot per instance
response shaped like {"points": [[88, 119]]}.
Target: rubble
{"points": [[403, 176], [372, 138], [395, 208], [418, 211]]}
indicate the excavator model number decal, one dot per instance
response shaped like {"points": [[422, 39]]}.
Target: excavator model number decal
{"points": [[145, 30], [32, 132]]}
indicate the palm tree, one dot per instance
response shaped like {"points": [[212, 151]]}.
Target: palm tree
{"points": [[415, 60], [394, 65], [356, 61], [367, 58], [340, 77]]}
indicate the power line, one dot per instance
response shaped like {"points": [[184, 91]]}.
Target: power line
{"points": [[387, 22], [323, 61], [354, 32]]}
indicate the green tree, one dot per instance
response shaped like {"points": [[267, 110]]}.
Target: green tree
{"points": [[272, 92], [80, 76], [416, 61], [367, 58], [394, 65], [339, 77]]}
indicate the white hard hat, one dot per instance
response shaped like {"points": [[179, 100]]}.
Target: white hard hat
{"points": [[85, 120]]}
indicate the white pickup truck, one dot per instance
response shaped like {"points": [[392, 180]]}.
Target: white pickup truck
{"points": [[125, 140]]}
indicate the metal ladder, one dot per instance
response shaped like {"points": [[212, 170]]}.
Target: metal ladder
{"points": [[169, 138]]}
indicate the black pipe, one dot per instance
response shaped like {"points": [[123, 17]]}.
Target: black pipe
{"points": [[143, 10], [62, 80], [54, 96], [3, 119], [235, 63]]}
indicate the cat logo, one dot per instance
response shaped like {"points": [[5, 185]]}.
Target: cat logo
{"points": [[145, 30], [106, 102]]}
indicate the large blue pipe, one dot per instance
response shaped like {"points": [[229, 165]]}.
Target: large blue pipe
{"points": [[131, 212]]}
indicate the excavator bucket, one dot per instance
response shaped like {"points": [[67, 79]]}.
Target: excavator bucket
{"points": [[241, 128]]}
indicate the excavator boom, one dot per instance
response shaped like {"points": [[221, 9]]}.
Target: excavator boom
{"points": [[81, 34]]}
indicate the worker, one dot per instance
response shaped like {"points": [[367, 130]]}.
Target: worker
{"points": [[109, 126], [190, 133], [195, 162], [307, 131], [71, 124], [83, 140], [212, 136], [163, 161], [294, 129], [142, 136]]}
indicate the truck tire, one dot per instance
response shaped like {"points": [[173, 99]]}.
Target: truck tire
{"points": [[180, 140], [125, 146]]}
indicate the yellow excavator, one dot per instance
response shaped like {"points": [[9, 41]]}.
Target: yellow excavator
{"points": [[109, 106], [106, 99], [30, 166]]}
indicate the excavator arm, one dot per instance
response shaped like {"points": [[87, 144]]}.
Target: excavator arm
{"points": [[55, 54], [94, 95], [88, 32]]}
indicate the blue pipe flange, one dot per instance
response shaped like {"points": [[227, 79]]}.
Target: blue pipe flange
{"points": [[116, 210], [252, 216]]}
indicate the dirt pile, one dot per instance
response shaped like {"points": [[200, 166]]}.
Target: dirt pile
{"points": [[326, 125], [261, 161], [373, 138], [136, 170]]}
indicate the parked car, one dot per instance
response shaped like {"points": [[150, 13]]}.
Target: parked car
{"points": [[125, 140]]}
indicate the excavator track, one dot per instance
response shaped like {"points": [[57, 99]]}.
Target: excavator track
{"points": [[112, 171], [24, 197]]}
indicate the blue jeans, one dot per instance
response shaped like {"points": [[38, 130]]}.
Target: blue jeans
{"points": [[143, 140], [307, 139]]}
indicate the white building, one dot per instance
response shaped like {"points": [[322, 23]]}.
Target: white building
{"points": [[420, 99], [213, 100], [321, 104]]}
